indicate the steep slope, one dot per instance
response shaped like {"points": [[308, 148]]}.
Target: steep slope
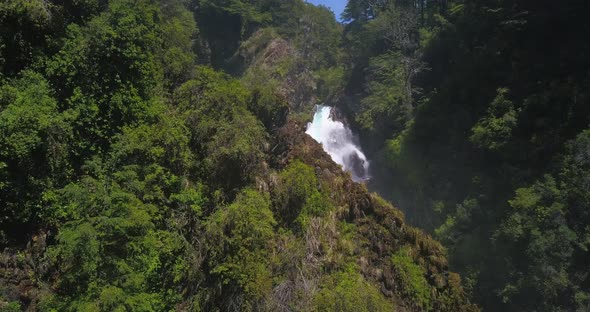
{"points": [[133, 179], [409, 266]]}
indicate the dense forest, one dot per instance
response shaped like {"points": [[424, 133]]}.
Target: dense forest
{"points": [[480, 110], [153, 156]]}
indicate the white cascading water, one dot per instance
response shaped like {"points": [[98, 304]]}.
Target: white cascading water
{"points": [[338, 141]]}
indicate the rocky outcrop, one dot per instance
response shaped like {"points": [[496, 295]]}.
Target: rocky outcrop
{"points": [[381, 230], [273, 59], [20, 271]]}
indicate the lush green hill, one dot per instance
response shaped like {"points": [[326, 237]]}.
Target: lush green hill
{"points": [[153, 158]]}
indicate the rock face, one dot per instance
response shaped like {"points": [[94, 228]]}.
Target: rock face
{"points": [[265, 53], [19, 272], [358, 164]]}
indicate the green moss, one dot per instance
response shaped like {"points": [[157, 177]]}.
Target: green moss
{"points": [[411, 279], [348, 291]]}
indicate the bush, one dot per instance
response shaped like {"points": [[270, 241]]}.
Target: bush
{"points": [[297, 197], [411, 279], [239, 240], [348, 291]]}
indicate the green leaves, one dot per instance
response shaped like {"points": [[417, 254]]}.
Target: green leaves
{"points": [[495, 130], [245, 9], [348, 291], [296, 198], [388, 106], [239, 242], [27, 117], [111, 72], [110, 250], [146, 183], [78, 254], [165, 142], [411, 279], [547, 234], [228, 137], [26, 26], [33, 147]]}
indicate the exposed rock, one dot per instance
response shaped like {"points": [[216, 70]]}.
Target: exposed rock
{"points": [[267, 53], [19, 270]]}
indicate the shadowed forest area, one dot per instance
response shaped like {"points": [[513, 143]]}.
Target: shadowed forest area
{"points": [[153, 156]]}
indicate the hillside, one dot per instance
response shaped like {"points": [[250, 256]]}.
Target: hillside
{"points": [[153, 157]]}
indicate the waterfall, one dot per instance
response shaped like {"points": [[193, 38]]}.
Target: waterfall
{"points": [[339, 142]]}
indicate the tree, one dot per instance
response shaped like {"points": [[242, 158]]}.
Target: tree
{"points": [[110, 72], [494, 130], [227, 136], [33, 150], [296, 198], [23, 27], [240, 237]]}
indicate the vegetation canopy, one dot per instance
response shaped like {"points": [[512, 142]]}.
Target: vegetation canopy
{"points": [[153, 156]]}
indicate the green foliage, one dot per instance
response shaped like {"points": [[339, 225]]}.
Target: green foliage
{"points": [[110, 252], [411, 279], [247, 10], [33, 148], [448, 231], [126, 38], [119, 244], [33, 11], [262, 78], [465, 142], [12, 306], [296, 199], [235, 152], [494, 130], [348, 291], [268, 106], [257, 42], [29, 114], [319, 37], [547, 234], [24, 26], [178, 32], [225, 23], [165, 143], [538, 225], [78, 250], [388, 105], [230, 138], [330, 83], [240, 237], [133, 180], [110, 72], [384, 62]]}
